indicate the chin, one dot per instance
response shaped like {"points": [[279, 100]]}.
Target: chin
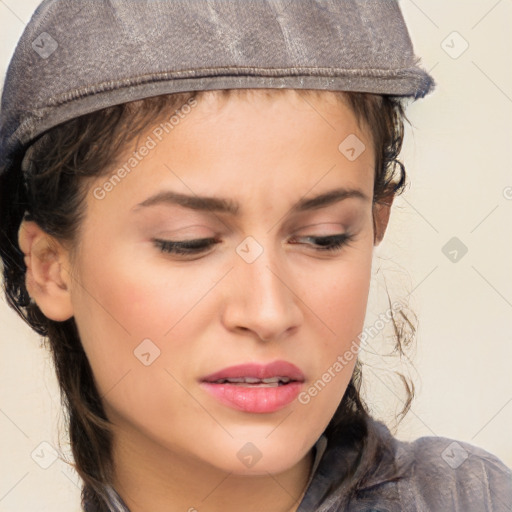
{"points": [[262, 467], [254, 456]]}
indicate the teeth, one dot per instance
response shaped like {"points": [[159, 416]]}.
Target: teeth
{"points": [[249, 380], [276, 379], [273, 381]]}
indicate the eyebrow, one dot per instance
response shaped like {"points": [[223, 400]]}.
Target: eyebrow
{"points": [[224, 205]]}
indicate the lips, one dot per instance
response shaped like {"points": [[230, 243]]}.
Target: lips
{"points": [[271, 382], [252, 373], [255, 388]]}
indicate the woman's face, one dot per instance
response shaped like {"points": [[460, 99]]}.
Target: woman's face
{"points": [[155, 324]]}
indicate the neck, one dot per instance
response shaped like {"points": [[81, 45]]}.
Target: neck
{"points": [[148, 477]]}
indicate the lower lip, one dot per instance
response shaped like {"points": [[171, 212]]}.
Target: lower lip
{"points": [[253, 398]]}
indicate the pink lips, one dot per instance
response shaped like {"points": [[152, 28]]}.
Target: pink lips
{"points": [[255, 397]]}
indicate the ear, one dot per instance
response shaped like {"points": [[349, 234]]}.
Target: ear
{"points": [[48, 275], [381, 213]]}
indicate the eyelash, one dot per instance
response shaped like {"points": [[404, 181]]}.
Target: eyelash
{"points": [[330, 243]]}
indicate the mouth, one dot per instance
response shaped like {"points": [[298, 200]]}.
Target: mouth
{"points": [[271, 382], [277, 373], [255, 388]]}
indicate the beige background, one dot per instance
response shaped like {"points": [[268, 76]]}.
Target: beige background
{"points": [[458, 159]]}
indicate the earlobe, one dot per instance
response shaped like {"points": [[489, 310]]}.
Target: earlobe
{"points": [[47, 277], [381, 214]]}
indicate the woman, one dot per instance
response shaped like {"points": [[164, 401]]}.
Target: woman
{"points": [[196, 190]]}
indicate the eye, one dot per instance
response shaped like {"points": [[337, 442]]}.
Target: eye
{"points": [[187, 247], [330, 243]]}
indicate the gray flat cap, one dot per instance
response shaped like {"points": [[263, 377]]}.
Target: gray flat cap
{"points": [[79, 56]]}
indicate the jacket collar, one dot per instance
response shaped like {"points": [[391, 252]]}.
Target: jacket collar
{"points": [[344, 470]]}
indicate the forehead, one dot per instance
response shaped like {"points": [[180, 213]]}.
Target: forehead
{"points": [[270, 144], [260, 118], [215, 101]]}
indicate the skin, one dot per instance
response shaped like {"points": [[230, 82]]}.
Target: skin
{"points": [[175, 445]]}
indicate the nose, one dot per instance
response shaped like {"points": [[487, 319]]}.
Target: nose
{"points": [[261, 298]]}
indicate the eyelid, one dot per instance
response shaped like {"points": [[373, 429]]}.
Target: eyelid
{"points": [[337, 227], [201, 246], [186, 230]]}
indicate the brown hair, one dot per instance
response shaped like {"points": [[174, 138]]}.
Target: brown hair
{"points": [[52, 194]]}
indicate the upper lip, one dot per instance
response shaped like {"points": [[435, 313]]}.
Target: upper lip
{"points": [[258, 371]]}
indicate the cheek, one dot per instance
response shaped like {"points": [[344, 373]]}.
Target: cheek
{"points": [[341, 294], [132, 294], [339, 300], [344, 301], [121, 302], [342, 307]]}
